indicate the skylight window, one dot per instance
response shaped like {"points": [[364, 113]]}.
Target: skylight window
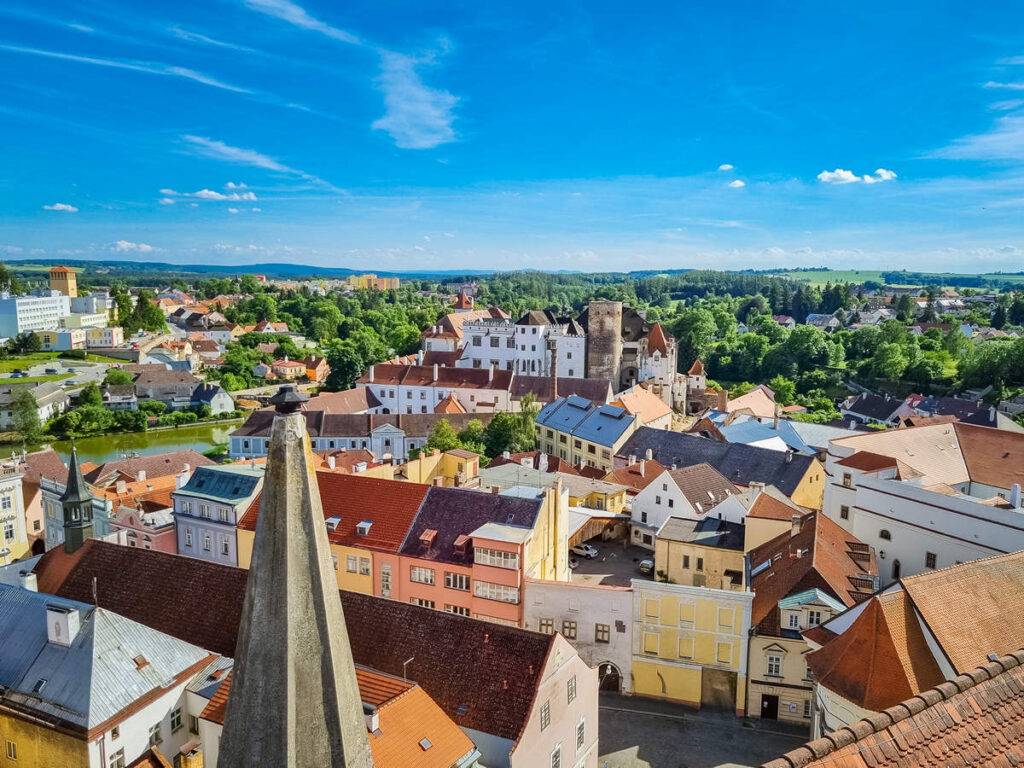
{"points": [[425, 744]]}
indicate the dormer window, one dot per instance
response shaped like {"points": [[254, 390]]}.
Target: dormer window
{"points": [[363, 528]]}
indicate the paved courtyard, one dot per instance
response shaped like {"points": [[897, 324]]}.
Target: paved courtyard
{"points": [[614, 565], [640, 733]]}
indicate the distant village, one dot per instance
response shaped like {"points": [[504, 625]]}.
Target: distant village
{"points": [[502, 539]]}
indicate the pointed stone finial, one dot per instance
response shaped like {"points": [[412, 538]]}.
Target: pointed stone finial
{"points": [[294, 699]]}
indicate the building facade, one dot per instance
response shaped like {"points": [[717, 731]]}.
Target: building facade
{"points": [[208, 507]]}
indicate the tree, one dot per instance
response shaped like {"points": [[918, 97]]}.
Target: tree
{"points": [[25, 415], [442, 438], [784, 389], [155, 407], [905, 307], [117, 377], [999, 317], [346, 366], [513, 432], [90, 395], [889, 361], [694, 331]]}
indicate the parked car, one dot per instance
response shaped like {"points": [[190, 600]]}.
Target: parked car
{"points": [[585, 550], [646, 567], [17, 375], [573, 562], [51, 371]]}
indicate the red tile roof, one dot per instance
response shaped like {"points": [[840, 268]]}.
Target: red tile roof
{"points": [[697, 369], [159, 465], [866, 461], [449, 404], [423, 376], [217, 709], [636, 476], [151, 758], [533, 459], [463, 301], [976, 719], [768, 507], [390, 505], [656, 341], [466, 675]]}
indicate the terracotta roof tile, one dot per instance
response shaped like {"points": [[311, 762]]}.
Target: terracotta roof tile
{"points": [[767, 507], [151, 758], [656, 341], [866, 461], [636, 476], [389, 505], [159, 465], [449, 404], [409, 721], [553, 463], [993, 456], [646, 403], [697, 369]]}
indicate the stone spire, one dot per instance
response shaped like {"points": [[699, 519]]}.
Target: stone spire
{"points": [[76, 505], [294, 699]]}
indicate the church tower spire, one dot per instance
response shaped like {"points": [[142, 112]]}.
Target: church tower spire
{"points": [[294, 699], [76, 504]]}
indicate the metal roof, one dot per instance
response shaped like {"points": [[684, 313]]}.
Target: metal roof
{"points": [[231, 483], [813, 595], [601, 424]]}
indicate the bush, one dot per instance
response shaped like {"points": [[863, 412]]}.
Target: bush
{"points": [[74, 354]]}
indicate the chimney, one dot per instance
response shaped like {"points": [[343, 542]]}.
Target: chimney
{"points": [[1015, 495], [542, 462], [495, 489], [554, 371], [419, 357], [62, 624], [992, 414], [775, 421], [121, 487], [490, 372], [370, 373], [187, 468], [435, 371], [373, 721], [643, 467], [649, 454], [632, 460], [505, 455], [191, 755], [756, 485], [853, 423], [331, 461], [723, 401], [794, 526], [789, 457], [27, 579], [142, 475]]}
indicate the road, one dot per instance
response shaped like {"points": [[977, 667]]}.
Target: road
{"points": [[643, 733]]}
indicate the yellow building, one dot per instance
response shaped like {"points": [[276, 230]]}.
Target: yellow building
{"points": [[458, 468], [690, 644], [700, 553], [594, 494], [62, 340], [582, 432], [371, 281], [64, 280]]}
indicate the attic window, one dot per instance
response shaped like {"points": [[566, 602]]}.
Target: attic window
{"points": [[38, 687], [427, 538], [141, 662], [363, 529], [425, 744], [333, 522], [461, 542]]}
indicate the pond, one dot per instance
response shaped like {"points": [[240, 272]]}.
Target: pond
{"points": [[199, 437]]}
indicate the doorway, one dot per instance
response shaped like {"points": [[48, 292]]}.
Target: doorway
{"points": [[769, 707], [611, 679]]}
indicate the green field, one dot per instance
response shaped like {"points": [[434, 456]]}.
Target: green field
{"points": [[37, 379], [818, 277], [35, 358]]}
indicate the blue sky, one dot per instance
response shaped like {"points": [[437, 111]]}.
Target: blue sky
{"points": [[550, 135]]}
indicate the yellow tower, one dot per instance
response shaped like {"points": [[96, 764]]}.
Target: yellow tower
{"points": [[63, 279]]}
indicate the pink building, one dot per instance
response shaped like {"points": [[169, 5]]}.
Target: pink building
{"points": [[34, 466], [143, 513]]}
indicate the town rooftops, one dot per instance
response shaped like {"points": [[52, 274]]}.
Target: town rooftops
{"points": [[543, 388], [706, 532], [390, 506], [46, 463], [162, 464], [644, 402], [973, 720], [738, 463], [326, 424], [357, 400], [579, 486], [656, 340], [545, 462], [455, 512], [231, 483], [697, 369], [821, 556], [161, 377], [205, 609], [875, 407], [595, 423], [91, 679], [431, 376], [636, 476], [703, 486]]}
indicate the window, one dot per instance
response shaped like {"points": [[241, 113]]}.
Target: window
{"points": [[844, 512], [193, 724], [652, 608], [176, 720], [847, 480], [808, 674], [6, 502], [686, 562], [602, 633], [643, 519], [115, 733], [188, 537], [8, 531], [225, 547], [222, 514], [569, 629], [497, 558], [421, 575], [351, 563], [116, 759], [12, 751], [207, 542], [813, 618], [547, 626], [556, 757], [545, 715], [700, 563], [476, 341], [581, 735], [685, 647], [422, 603], [204, 510], [657, 499], [456, 581], [651, 640], [807, 707], [154, 735], [385, 581], [885, 535], [334, 559], [498, 592], [457, 609], [774, 668], [929, 559], [364, 566], [495, 341], [671, 503], [794, 621]]}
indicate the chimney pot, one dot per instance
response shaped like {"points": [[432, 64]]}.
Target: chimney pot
{"points": [[649, 454], [643, 467], [331, 461], [142, 475], [794, 525], [723, 401], [435, 371], [632, 459]]}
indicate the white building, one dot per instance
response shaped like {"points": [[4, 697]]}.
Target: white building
{"points": [[13, 533], [420, 389], [596, 619], [39, 311], [50, 399], [208, 507], [533, 345], [690, 493], [928, 497]]}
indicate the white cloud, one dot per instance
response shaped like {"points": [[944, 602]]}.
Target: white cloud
{"points": [[168, 192], [416, 116], [257, 210], [725, 167], [210, 194], [233, 185], [737, 184], [1004, 86], [125, 246], [448, 234], [166, 201], [61, 207], [842, 176], [232, 210], [218, 150], [1004, 142], [294, 14]]}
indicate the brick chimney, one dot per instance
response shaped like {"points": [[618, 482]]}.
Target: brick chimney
{"points": [[723, 401], [795, 525]]}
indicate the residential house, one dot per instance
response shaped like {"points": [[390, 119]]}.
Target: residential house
{"points": [[770, 513], [652, 410], [208, 508], [706, 552], [287, 370], [969, 716], [316, 368], [120, 397], [389, 437], [923, 630], [582, 432], [85, 686], [968, 411], [801, 478], [759, 402], [636, 475], [826, 323], [412, 389], [595, 618], [800, 579], [143, 511], [14, 533], [874, 409], [358, 534], [785, 321], [537, 344], [50, 399], [214, 396], [520, 696], [61, 340], [457, 468], [172, 388], [690, 492], [33, 467], [140, 468], [928, 497], [446, 334], [690, 644]]}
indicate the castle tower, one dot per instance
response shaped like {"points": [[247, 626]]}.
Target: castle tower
{"points": [[604, 341], [294, 698], [76, 504], [64, 280]]}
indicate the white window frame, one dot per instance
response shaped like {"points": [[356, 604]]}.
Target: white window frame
{"points": [[773, 665]]}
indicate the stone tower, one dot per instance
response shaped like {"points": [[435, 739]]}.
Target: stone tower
{"points": [[604, 341], [294, 699], [76, 504]]}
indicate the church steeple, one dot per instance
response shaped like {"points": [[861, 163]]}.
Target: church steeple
{"points": [[294, 698], [76, 504]]}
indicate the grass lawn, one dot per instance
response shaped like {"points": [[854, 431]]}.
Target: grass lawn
{"points": [[36, 358], [37, 379], [820, 277]]}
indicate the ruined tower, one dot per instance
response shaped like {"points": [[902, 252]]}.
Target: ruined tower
{"points": [[604, 341]]}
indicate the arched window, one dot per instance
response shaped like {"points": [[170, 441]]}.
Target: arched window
{"points": [[895, 570], [885, 535]]}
